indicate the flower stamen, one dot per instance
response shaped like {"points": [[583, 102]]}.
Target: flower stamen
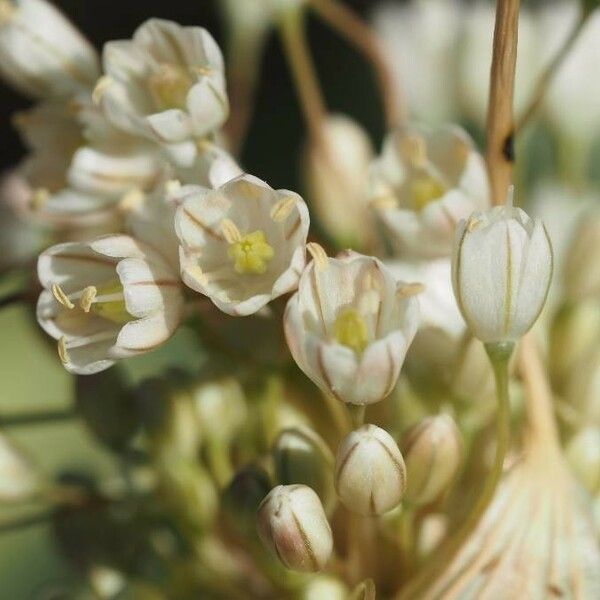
{"points": [[61, 297], [318, 254], [251, 253], [350, 329]]}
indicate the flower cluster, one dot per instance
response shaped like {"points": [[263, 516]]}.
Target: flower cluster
{"points": [[327, 372]]}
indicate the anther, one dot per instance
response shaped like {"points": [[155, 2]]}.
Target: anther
{"points": [[281, 211], [318, 254], [61, 297]]}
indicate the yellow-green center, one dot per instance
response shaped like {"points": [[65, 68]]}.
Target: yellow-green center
{"points": [[169, 86], [107, 301], [350, 329], [424, 189], [251, 254]]}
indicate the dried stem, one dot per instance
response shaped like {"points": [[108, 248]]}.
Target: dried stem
{"points": [[307, 86], [548, 75], [500, 125], [359, 34]]}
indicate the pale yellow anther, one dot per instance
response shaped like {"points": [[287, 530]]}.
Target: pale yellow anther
{"points": [[62, 350], [230, 231], [281, 211], [318, 254], [384, 202], [472, 223], [204, 71], [172, 187], [7, 11], [131, 201], [414, 150], [103, 84], [61, 297], [408, 290], [39, 198], [88, 295]]}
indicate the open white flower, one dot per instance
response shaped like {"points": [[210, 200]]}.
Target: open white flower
{"points": [[423, 183], [349, 326], [242, 245], [106, 299], [41, 52], [501, 272], [166, 84]]}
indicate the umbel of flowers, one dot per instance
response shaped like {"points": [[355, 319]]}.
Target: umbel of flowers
{"points": [[336, 419]]}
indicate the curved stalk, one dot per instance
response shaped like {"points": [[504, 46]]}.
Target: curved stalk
{"points": [[360, 35]]}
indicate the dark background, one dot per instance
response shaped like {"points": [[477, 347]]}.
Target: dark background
{"points": [[276, 134]]}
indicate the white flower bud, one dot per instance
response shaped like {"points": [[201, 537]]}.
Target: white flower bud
{"points": [[41, 52], [370, 476], [18, 480], [335, 169], [501, 272], [325, 587], [583, 453], [432, 451], [582, 267], [292, 523]]}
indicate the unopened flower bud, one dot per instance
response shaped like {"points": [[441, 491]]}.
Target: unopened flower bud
{"points": [[432, 451], [191, 493], [301, 456], [243, 496], [18, 480], [292, 523], [501, 272], [370, 476], [583, 453], [335, 169], [325, 586], [582, 267], [221, 406]]}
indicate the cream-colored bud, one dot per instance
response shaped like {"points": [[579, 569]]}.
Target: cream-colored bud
{"points": [[370, 475], [325, 587], [501, 271], [583, 453], [335, 170], [582, 267], [301, 456], [221, 407], [432, 450], [18, 480], [292, 523]]}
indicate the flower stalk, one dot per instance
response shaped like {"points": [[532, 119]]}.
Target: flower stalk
{"points": [[500, 121], [360, 35], [303, 71]]}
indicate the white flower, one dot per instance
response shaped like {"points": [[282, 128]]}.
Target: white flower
{"points": [[242, 245], [74, 184], [336, 170], [18, 479], [420, 39], [166, 84], [423, 183], [41, 52], [106, 299], [349, 326], [501, 272]]}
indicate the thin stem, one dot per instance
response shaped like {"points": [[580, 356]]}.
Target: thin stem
{"points": [[219, 462], [549, 73], [298, 55], [14, 298], [37, 418], [500, 126], [357, 414], [499, 356], [359, 34], [27, 521], [340, 417]]}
